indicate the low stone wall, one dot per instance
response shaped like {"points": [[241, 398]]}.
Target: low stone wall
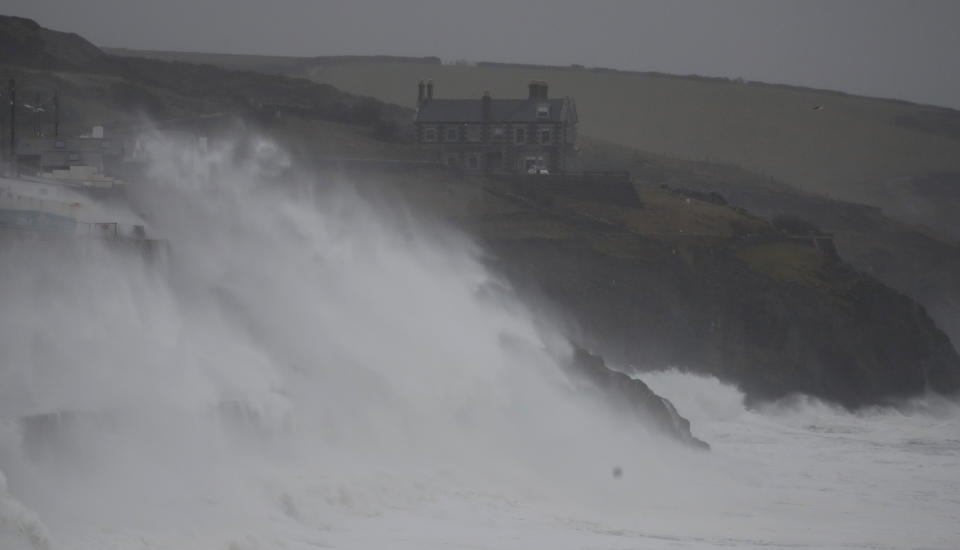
{"points": [[612, 187]]}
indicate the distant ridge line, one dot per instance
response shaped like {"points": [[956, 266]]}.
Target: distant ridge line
{"points": [[280, 62]]}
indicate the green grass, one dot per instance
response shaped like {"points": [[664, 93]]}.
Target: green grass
{"points": [[847, 150], [844, 150], [785, 261]]}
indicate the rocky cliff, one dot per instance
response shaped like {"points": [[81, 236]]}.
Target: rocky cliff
{"points": [[752, 304], [633, 395], [855, 344]]}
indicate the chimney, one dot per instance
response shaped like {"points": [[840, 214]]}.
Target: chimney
{"points": [[538, 89], [485, 102], [420, 93], [429, 90]]}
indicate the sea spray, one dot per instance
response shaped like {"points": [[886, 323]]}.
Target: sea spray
{"points": [[294, 362], [312, 370]]}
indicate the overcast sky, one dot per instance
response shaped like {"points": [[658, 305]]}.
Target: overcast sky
{"points": [[891, 48]]}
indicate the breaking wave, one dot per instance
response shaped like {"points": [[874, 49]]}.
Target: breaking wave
{"points": [[307, 369], [300, 353]]}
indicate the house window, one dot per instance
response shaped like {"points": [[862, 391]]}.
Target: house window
{"points": [[453, 160], [452, 135], [498, 133], [543, 111], [545, 137], [59, 144], [429, 134], [520, 135], [473, 162], [73, 156]]}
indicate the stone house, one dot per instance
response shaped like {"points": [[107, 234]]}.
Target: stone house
{"points": [[529, 135]]}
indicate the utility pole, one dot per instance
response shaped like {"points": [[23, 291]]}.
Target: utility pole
{"points": [[36, 114], [3, 141], [56, 113], [13, 123]]}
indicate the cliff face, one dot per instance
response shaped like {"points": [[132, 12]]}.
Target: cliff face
{"points": [[672, 280], [921, 260], [774, 314], [861, 344], [633, 395]]}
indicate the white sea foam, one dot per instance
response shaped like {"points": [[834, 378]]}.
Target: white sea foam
{"points": [[313, 371]]}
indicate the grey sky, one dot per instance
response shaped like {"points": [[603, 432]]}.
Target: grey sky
{"points": [[905, 49]]}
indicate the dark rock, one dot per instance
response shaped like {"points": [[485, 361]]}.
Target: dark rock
{"points": [[840, 336], [622, 390]]}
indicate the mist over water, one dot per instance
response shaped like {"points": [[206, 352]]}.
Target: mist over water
{"points": [[309, 370]]}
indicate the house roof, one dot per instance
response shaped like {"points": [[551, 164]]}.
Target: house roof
{"points": [[501, 110]]}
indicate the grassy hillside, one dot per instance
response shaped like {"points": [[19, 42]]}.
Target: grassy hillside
{"points": [[25, 42], [842, 150], [874, 151], [332, 126], [918, 260], [126, 95]]}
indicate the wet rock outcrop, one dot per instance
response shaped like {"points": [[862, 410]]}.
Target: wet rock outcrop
{"points": [[618, 389], [770, 324]]}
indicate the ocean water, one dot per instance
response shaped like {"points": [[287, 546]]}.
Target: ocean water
{"points": [[310, 370]]}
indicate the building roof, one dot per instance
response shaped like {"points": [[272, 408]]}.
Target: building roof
{"points": [[501, 110]]}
